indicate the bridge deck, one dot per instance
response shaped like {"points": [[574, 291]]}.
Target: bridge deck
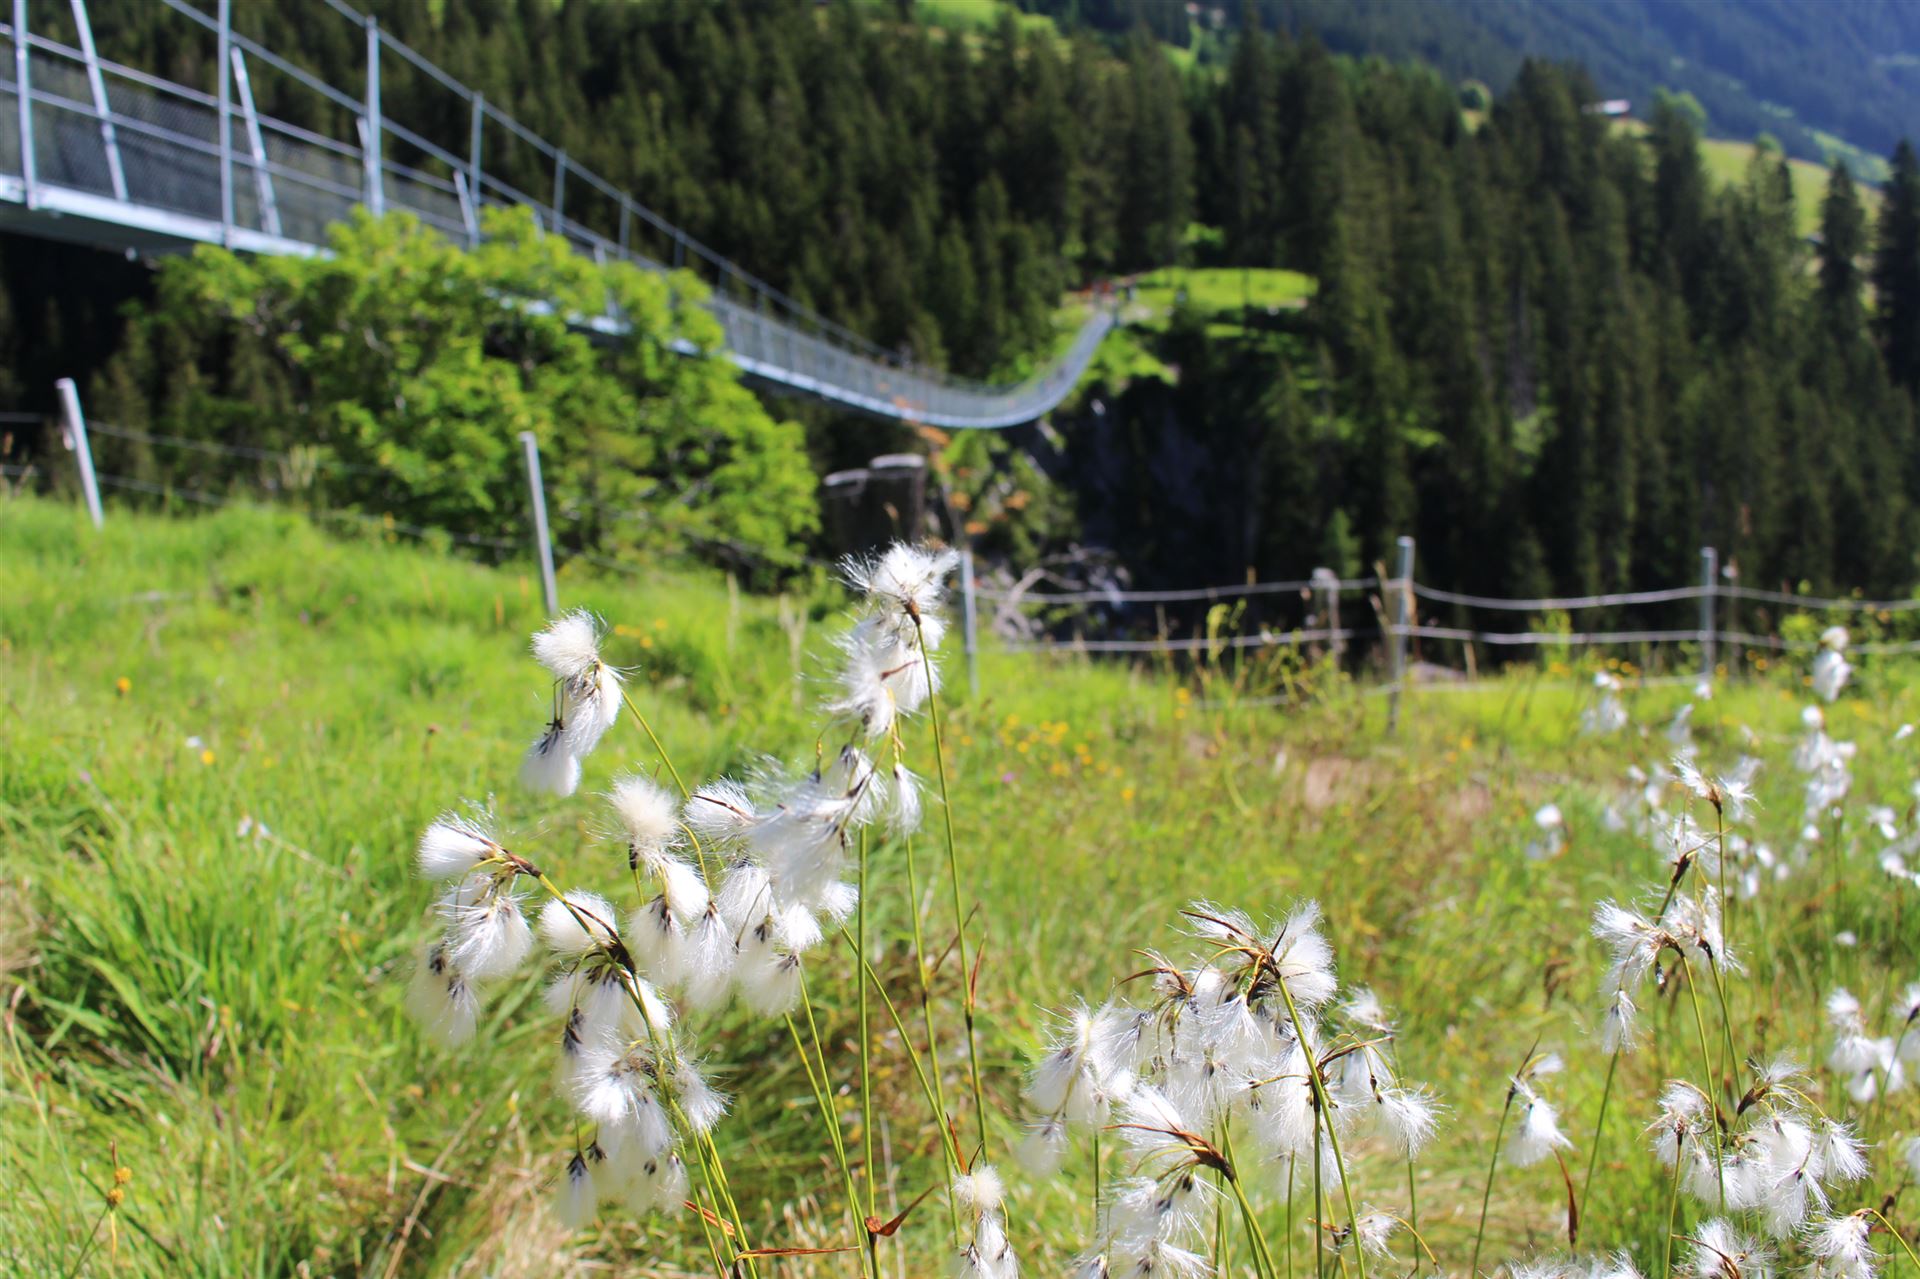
{"points": [[118, 157]]}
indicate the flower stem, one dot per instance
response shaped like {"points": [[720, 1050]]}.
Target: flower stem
{"points": [[1599, 1126], [1256, 1239], [1700, 1026], [1413, 1202], [1673, 1207], [1095, 1233], [1732, 1060], [948, 1151], [1287, 1240], [658, 749], [866, 1052], [953, 878], [1319, 1202], [1486, 1196], [1326, 1118], [939, 1097], [820, 1098], [1898, 1238]]}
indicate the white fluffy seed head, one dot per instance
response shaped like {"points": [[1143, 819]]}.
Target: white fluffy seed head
{"points": [[580, 923], [1619, 1024], [1375, 1230], [685, 891], [903, 806], [569, 647], [455, 844], [1722, 1252], [910, 579], [577, 1196], [487, 937], [700, 1102], [979, 1190], [550, 766], [1845, 1242], [442, 998], [719, 811], [591, 707], [706, 969], [1842, 1156], [1408, 1118], [768, 980], [1536, 1135], [1843, 1010], [1044, 1148], [1305, 959], [745, 897], [649, 817]]}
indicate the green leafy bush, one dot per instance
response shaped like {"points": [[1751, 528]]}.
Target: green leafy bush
{"points": [[394, 376]]}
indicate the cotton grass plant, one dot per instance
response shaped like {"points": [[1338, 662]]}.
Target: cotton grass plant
{"points": [[735, 886], [1229, 1106]]}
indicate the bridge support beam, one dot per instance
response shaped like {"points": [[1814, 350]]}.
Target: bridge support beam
{"points": [[257, 144], [23, 86], [96, 82], [226, 118], [376, 183]]}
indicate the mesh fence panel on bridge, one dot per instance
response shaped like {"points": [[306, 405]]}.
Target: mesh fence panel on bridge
{"points": [[285, 185]]}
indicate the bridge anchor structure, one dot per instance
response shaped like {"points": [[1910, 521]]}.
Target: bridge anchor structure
{"points": [[97, 152]]}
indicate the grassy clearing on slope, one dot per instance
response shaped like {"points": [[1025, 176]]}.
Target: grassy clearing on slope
{"points": [[1219, 293], [975, 19], [1728, 163], [223, 1000]]}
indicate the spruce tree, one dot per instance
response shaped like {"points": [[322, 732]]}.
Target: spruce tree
{"points": [[1843, 243], [1896, 270]]}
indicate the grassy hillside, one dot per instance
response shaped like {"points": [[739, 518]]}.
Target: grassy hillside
{"points": [[223, 736], [1727, 163]]}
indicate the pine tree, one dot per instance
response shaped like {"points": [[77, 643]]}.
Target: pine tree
{"points": [[1896, 270]]}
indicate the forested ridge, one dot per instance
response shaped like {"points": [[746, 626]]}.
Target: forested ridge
{"points": [[1556, 353]]}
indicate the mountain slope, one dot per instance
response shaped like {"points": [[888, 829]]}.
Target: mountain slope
{"points": [[1826, 79]]}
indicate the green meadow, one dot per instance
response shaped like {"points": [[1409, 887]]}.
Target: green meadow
{"points": [[223, 735]]}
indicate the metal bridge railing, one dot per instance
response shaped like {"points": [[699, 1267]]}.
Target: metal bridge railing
{"points": [[127, 158]]}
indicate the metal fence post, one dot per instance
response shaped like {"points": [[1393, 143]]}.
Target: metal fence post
{"points": [[560, 191], [82, 451], [1709, 571], [376, 181], [542, 543], [1328, 587], [1402, 609], [969, 633], [23, 100]]}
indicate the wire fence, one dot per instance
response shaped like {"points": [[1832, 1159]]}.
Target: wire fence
{"points": [[1394, 620]]}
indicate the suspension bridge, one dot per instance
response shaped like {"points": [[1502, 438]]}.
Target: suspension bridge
{"points": [[101, 153]]}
